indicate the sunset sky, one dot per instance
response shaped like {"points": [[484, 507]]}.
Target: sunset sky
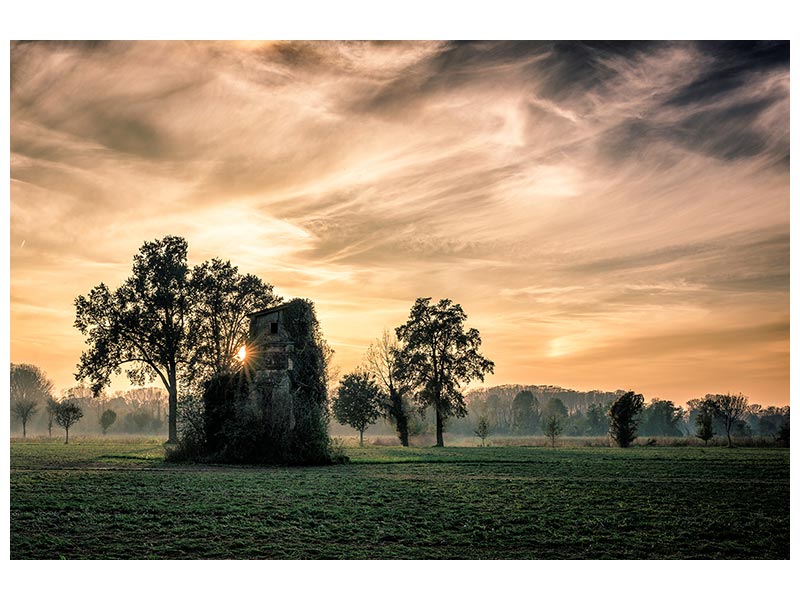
{"points": [[608, 215]]}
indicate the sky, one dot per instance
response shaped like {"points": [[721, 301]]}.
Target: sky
{"points": [[609, 215]]}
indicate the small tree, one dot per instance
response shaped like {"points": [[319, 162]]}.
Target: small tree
{"points": [[730, 408], [623, 418], [358, 402], [67, 414], [107, 419], [704, 419], [24, 410], [553, 429], [482, 430], [29, 388]]}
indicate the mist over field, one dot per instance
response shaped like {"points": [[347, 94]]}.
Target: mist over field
{"points": [[285, 300]]}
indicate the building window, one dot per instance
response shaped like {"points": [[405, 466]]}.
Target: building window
{"points": [[273, 327]]}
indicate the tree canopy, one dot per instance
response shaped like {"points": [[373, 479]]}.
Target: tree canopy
{"points": [[67, 414], [221, 299], [623, 418], [439, 357], [165, 321], [730, 408], [30, 388], [358, 401]]}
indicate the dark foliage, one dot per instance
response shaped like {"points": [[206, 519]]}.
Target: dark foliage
{"points": [[553, 428], [623, 418], [704, 420], [358, 402], [439, 357], [67, 414], [268, 417], [107, 419], [167, 322], [662, 418]]}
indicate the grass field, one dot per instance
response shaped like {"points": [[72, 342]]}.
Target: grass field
{"points": [[118, 499]]}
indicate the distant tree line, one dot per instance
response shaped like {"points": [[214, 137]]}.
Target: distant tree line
{"points": [[34, 407], [715, 418]]}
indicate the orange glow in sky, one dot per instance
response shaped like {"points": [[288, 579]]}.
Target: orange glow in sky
{"points": [[609, 216]]}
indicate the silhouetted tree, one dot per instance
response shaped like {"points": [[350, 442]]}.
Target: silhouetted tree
{"points": [[142, 324], [220, 301], [438, 357], [482, 429], [552, 428], [358, 402], [623, 418], [107, 419], [29, 388], [67, 414], [730, 408], [382, 359], [704, 420]]}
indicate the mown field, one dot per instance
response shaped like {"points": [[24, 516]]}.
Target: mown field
{"points": [[118, 499]]}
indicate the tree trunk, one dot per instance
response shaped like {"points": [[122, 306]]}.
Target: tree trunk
{"points": [[173, 408], [67, 430], [730, 442], [439, 429], [24, 432], [361, 438]]}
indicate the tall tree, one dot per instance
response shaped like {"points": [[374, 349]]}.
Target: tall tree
{"points": [[623, 418], [730, 408], [30, 387], [383, 362], [438, 357], [67, 414], [167, 322], [220, 302], [358, 402], [142, 325]]}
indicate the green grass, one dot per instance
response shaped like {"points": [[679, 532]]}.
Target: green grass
{"points": [[117, 498]]}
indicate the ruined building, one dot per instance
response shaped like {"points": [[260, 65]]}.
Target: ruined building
{"points": [[274, 410]]}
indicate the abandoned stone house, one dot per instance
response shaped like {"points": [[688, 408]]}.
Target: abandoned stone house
{"points": [[271, 346], [271, 353]]}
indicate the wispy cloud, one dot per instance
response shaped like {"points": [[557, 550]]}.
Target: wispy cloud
{"points": [[606, 213]]}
